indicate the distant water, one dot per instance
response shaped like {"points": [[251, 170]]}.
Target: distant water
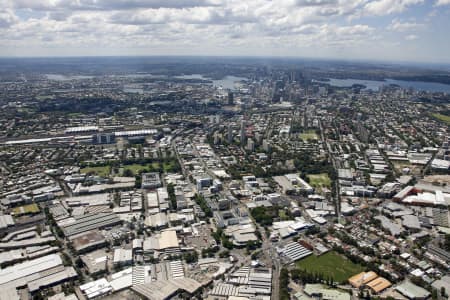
{"points": [[133, 90], [228, 82], [375, 85], [60, 77], [192, 76]]}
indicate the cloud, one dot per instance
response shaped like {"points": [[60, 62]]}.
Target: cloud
{"points": [[397, 25], [411, 37], [249, 27], [387, 7], [7, 18], [107, 5], [442, 2]]}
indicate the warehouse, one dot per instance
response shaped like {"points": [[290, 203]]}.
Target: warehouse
{"points": [[165, 289], [6, 221], [123, 256], [323, 292], [89, 222], [96, 288], [294, 251], [361, 279], [96, 262], [412, 291], [20, 274], [379, 284], [61, 275], [88, 241]]}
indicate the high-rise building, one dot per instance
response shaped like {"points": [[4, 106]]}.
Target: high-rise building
{"points": [[250, 145], [230, 98], [242, 134], [266, 145], [230, 134]]}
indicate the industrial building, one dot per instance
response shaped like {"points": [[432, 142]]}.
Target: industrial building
{"points": [[88, 222], [294, 251]]}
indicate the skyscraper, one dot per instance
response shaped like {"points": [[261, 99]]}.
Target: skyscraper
{"points": [[242, 132], [230, 98], [230, 134]]}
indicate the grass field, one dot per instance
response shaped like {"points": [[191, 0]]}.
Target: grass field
{"points": [[168, 167], [26, 209], [443, 118], [102, 171], [330, 264], [282, 215], [136, 168], [309, 135], [319, 180], [151, 167]]}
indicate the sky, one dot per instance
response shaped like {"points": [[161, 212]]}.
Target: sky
{"points": [[383, 30]]}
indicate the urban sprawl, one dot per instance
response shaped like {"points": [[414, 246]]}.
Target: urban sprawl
{"points": [[271, 185]]}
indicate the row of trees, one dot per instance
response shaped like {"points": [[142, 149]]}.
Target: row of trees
{"points": [[220, 237], [201, 201], [265, 215]]}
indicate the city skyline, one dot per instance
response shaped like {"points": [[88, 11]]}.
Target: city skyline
{"points": [[380, 30]]}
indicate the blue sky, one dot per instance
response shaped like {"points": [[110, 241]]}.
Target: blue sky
{"points": [[387, 30]]}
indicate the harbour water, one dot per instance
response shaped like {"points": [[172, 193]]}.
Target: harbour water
{"points": [[375, 85]]}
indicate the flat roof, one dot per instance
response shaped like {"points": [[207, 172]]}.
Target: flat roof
{"points": [[22, 270], [88, 239], [89, 222], [412, 291], [168, 239], [65, 274], [362, 278], [379, 284]]}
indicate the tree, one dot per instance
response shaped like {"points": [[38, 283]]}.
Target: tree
{"points": [[191, 257], [434, 294], [128, 173], [447, 242], [284, 282]]}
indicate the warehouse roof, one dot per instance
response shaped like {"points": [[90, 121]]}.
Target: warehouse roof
{"points": [[325, 292], [412, 291], [379, 284], [168, 239], [163, 289], [87, 239], [89, 222], [6, 221], [54, 278], [294, 251], [362, 278], [22, 270]]}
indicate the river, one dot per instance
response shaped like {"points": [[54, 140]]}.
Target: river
{"points": [[376, 84]]}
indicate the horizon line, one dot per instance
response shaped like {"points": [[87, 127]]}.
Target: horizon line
{"points": [[279, 57]]}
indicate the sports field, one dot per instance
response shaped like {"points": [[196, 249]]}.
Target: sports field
{"points": [[26, 209], [136, 168], [319, 180], [443, 118], [309, 135], [102, 171], [330, 264]]}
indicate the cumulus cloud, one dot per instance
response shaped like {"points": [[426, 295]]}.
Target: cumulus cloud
{"points": [[7, 18], [399, 26], [268, 26], [442, 2], [411, 37], [387, 7], [107, 4]]}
